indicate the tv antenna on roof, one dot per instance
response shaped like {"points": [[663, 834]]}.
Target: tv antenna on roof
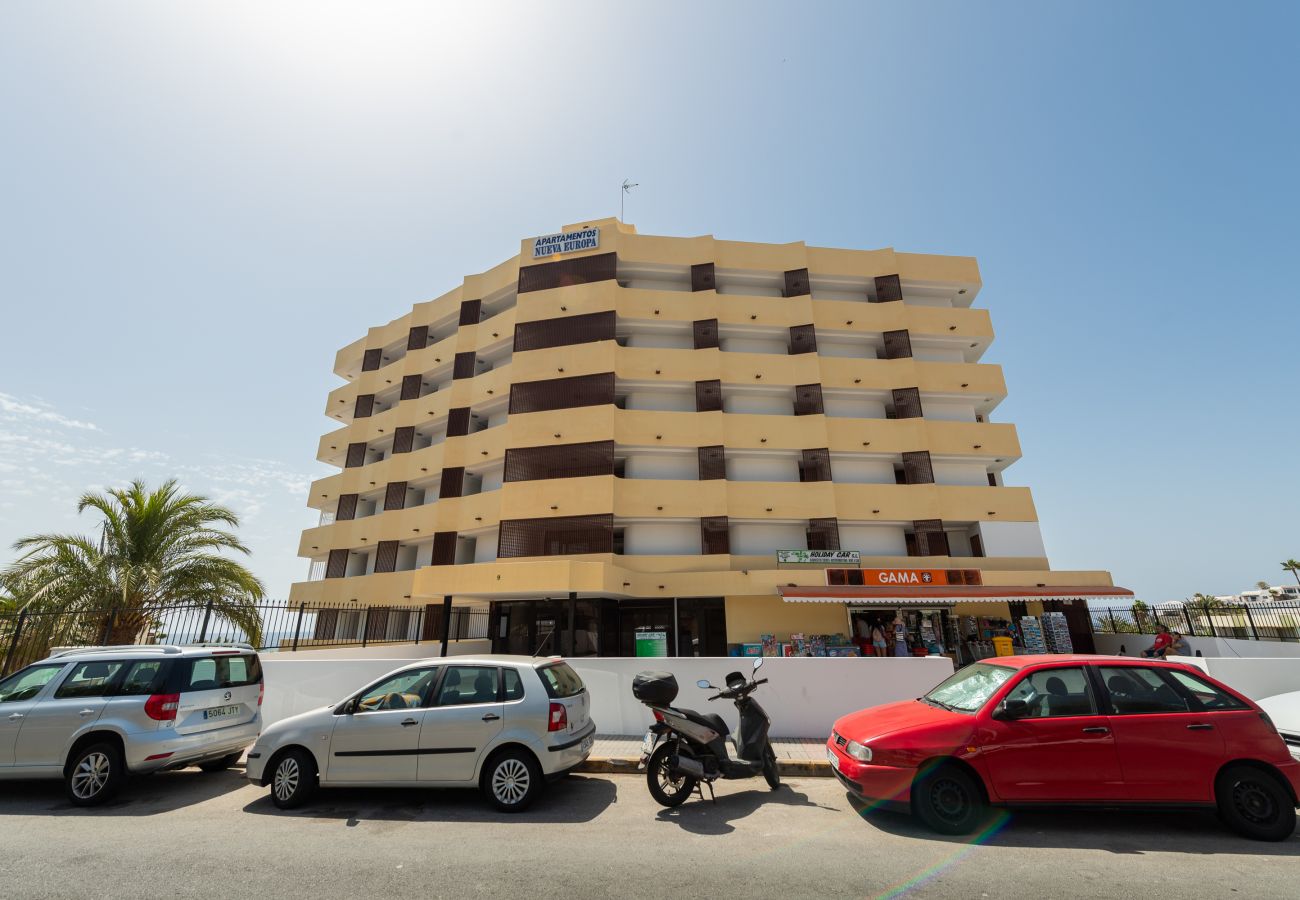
{"points": [[627, 186]]}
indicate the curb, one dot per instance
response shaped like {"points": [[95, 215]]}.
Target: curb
{"points": [[627, 765]]}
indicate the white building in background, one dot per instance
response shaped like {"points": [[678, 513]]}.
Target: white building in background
{"points": [[1283, 593]]}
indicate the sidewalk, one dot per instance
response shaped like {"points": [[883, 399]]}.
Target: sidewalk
{"points": [[620, 753]]}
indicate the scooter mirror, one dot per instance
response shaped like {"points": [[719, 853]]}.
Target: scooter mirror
{"points": [[758, 664], [704, 683]]}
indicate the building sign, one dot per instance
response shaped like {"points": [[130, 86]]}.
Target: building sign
{"points": [[566, 242], [651, 643], [904, 577], [823, 557]]}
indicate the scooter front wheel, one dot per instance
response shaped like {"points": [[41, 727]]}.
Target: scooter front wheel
{"points": [[668, 788]]}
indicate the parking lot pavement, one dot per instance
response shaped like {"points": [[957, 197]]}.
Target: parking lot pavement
{"points": [[620, 753], [187, 834]]}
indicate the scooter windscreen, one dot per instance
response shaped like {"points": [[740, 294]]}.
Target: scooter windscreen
{"points": [[735, 680]]}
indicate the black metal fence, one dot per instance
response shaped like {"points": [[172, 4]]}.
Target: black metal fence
{"points": [[1248, 621], [29, 635]]}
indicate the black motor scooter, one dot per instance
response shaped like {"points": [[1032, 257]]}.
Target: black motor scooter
{"points": [[684, 749]]}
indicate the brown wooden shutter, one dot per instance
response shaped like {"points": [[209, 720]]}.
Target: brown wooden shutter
{"points": [[562, 461], [403, 438], [558, 536], [452, 481], [702, 277], [444, 548], [583, 270], [715, 535], [386, 556], [917, 468], [464, 366], [993, 480], [356, 456], [823, 534], [347, 509], [418, 339], [365, 406], [888, 289], [803, 339], [337, 566], [808, 400], [930, 538], [815, 465], [708, 396], [976, 545], [565, 331], [377, 616], [796, 283], [562, 393], [395, 495], [706, 333], [898, 344], [327, 621], [907, 403], [713, 463], [411, 385], [910, 540], [371, 360], [469, 311], [458, 421]]}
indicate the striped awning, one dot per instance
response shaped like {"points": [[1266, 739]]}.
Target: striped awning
{"points": [[933, 597]]}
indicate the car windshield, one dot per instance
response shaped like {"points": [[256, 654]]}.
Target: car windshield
{"points": [[970, 688]]}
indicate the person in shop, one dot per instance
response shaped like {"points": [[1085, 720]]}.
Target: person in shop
{"points": [[879, 644], [1164, 640]]}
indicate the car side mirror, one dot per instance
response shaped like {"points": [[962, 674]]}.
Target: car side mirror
{"points": [[758, 664], [1011, 709], [348, 707], [705, 684]]}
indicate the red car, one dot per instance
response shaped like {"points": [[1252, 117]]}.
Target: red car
{"points": [[1063, 730]]}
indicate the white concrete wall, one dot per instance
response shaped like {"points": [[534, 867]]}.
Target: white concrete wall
{"points": [[1011, 539], [497, 418], [492, 478], [936, 354], [1257, 677], [485, 548], [754, 345], [860, 349], [976, 474], [873, 540], [1209, 647], [662, 538], [773, 467], [761, 404], [765, 538], [680, 401], [670, 341], [675, 467], [804, 696], [948, 410], [853, 407], [862, 471]]}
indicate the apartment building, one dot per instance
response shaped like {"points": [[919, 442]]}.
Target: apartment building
{"points": [[613, 433]]}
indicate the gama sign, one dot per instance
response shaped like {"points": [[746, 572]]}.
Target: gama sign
{"points": [[920, 577], [823, 557], [566, 242]]}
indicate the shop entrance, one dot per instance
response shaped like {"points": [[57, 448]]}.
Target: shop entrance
{"points": [[688, 626], [903, 632]]}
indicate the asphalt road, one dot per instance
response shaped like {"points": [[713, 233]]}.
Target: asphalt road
{"points": [[188, 834]]}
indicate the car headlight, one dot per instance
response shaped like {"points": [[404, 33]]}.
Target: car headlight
{"points": [[860, 752]]}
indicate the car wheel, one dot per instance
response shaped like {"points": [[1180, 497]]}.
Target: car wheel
{"points": [[94, 774], [512, 780], [948, 801], [1254, 803], [667, 788], [770, 770], [220, 765], [293, 779]]}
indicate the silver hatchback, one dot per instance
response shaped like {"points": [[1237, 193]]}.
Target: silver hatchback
{"points": [[92, 716]]}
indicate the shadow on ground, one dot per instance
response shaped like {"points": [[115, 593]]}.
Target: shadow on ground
{"points": [[572, 799], [707, 817], [146, 795], [1121, 831]]}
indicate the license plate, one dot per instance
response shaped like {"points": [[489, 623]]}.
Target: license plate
{"points": [[588, 743], [835, 760], [647, 743], [220, 712]]}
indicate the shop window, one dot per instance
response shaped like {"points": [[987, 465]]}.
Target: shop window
{"points": [[796, 283], [713, 463], [917, 468], [371, 359], [888, 289], [469, 312], [565, 331], [411, 386], [823, 534], [403, 438], [808, 400], [386, 557], [803, 339], [563, 461], [708, 396], [715, 535], [558, 536], [702, 277], [364, 407], [583, 270], [562, 393], [898, 344], [815, 465], [356, 456], [705, 333], [453, 480], [907, 403], [395, 495], [458, 421]]}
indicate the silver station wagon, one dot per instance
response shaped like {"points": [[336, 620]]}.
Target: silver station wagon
{"points": [[92, 716], [505, 724]]}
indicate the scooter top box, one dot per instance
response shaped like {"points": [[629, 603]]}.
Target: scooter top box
{"points": [[659, 688]]}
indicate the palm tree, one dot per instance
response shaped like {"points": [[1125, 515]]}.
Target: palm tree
{"points": [[157, 550], [1140, 613], [1204, 603], [1292, 566]]}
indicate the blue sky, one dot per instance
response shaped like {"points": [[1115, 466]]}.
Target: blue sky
{"points": [[200, 203]]}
